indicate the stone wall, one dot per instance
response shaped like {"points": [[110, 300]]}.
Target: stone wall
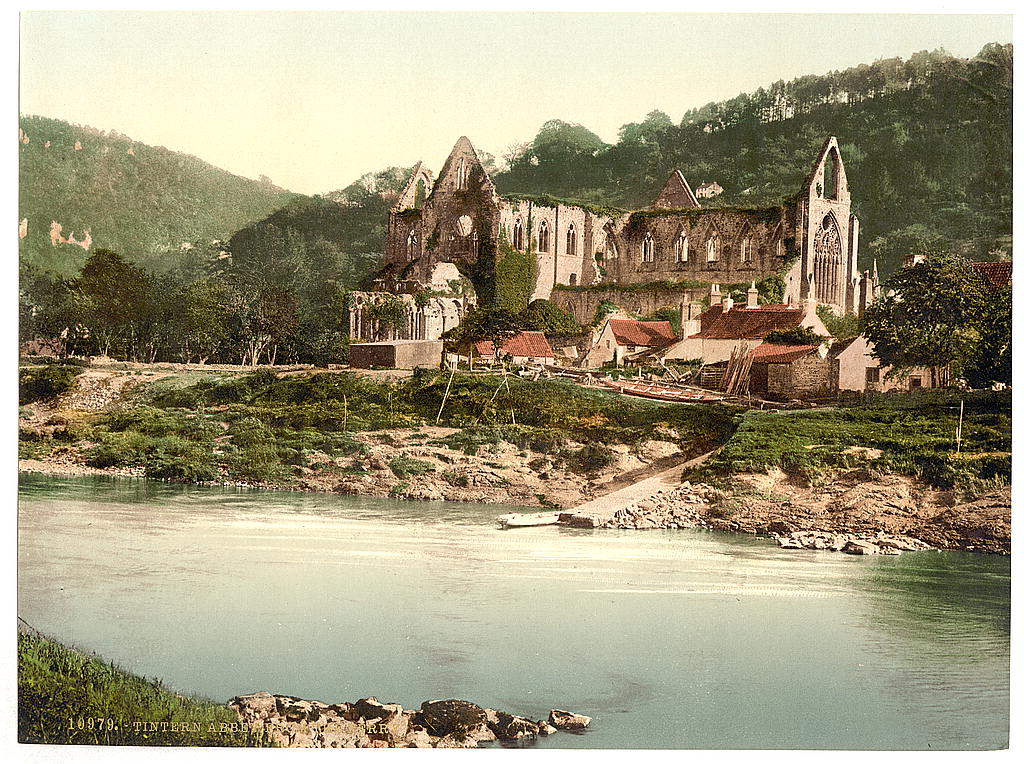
{"points": [[397, 354], [810, 377], [582, 303]]}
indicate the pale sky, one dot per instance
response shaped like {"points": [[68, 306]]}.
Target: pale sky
{"points": [[314, 100]]}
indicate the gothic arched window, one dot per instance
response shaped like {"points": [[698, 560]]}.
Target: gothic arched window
{"points": [[543, 238], [517, 234], [570, 240], [462, 175], [648, 248], [712, 248], [746, 253], [682, 248], [412, 245]]}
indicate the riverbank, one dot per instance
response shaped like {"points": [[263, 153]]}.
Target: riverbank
{"points": [[886, 474], [856, 513], [67, 697]]}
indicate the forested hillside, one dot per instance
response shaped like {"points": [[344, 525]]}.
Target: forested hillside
{"points": [[111, 192], [927, 144]]}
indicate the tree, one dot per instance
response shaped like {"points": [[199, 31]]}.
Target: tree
{"points": [[116, 292], [992, 361], [494, 324], [929, 315]]}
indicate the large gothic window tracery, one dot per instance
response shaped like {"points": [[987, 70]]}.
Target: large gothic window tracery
{"points": [[828, 259]]}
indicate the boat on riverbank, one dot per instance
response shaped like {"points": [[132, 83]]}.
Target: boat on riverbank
{"points": [[662, 392], [527, 520]]}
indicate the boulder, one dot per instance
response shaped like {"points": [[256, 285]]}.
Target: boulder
{"points": [[509, 727], [855, 546], [567, 720], [259, 705], [450, 717]]}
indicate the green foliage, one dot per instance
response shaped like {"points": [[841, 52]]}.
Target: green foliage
{"points": [[992, 359], [545, 316], [592, 457], [515, 276], [485, 323], [58, 686], [46, 382], [801, 335], [926, 141], [389, 312], [841, 327], [928, 315], [405, 466], [915, 433], [603, 309], [672, 315], [771, 290], [148, 203]]}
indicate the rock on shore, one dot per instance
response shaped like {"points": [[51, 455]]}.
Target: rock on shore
{"points": [[368, 723]]}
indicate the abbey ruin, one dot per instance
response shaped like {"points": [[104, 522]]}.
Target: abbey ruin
{"points": [[446, 232]]}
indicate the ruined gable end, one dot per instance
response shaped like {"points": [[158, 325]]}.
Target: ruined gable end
{"points": [[676, 194], [420, 184], [827, 179]]}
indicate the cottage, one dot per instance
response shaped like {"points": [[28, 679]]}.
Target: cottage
{"points": [[725, 326], [621, 337], [709, 190], [525, 347], [791, 371], [857, 370]]}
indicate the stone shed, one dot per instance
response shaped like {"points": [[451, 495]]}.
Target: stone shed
{"points": [[791, 371], [396, 354]]}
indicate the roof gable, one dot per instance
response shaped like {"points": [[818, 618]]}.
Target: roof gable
{"points": [[742, 323], [642, 333], [530, 344], [996, 274], [676, 194]]}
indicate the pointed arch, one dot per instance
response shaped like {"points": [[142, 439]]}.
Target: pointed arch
{"points": [[828, 260], [647, 248], [831, 178], [570, 240], [713, 246], [517, 234], [681, 246], [412, 245], [543, 237]]}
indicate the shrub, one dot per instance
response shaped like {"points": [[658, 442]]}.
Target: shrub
{"points": [[40, 384], [590, 458], [405, 466]]}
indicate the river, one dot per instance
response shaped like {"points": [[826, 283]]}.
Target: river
{"points": [[668, 639]]}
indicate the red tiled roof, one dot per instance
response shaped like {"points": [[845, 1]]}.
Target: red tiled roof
{"points": [[742, 323], [766, 353], [997, 274], [642, 333], [528, 344]]}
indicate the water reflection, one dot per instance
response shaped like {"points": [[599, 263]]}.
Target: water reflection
{"points": [[330, 597]]}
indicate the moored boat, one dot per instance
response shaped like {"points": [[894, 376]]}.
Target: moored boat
{"points": [[526, 520]]}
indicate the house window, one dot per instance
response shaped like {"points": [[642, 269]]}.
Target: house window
{"points": [[570, 240], [712, 248], [682, 249], [572, 279], [746, 252], [915, 382], [517, 234], [412, 245], [542, 236], [872, 375], [648, 248]]}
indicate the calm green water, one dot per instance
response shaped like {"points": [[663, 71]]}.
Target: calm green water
{"points": [[669, 639]]}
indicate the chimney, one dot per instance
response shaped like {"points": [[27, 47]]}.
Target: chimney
{"points": [[752, 296], [715, 297], [727, 303]]}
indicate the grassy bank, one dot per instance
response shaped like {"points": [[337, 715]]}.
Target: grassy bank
{"points": [[68, 697], [911, 434], [264, 428]]}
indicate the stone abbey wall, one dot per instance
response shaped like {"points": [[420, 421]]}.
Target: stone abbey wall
{"points": [[459, 219]]}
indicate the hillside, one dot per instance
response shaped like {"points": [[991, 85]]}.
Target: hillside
{"points": [[927, 144], [112, 192]]}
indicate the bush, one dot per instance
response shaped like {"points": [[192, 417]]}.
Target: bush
{"points": [[405, 466], [591, 458], [40, 384]]}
